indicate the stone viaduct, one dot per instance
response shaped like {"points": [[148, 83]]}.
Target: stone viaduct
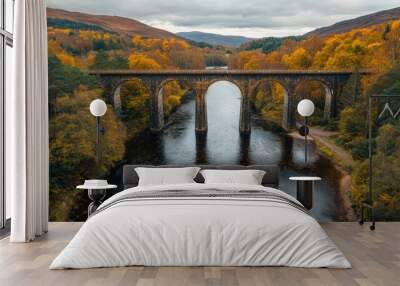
{"points": [[246, 81]]}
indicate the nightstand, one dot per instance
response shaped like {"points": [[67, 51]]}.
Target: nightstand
{"points": [[305, 186], [96, 194]]}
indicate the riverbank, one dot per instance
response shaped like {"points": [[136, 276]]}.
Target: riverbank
{"points": [[342, 161]]}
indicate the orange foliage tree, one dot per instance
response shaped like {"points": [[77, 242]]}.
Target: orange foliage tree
{"points": [[298, 59], [142, 62]]}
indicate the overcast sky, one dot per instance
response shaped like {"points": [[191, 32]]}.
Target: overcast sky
{"points": [[251, 18]]}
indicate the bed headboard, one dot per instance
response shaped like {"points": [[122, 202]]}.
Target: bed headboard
{"points": [[271, 178]]}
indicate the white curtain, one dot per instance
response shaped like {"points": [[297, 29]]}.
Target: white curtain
{"points": [[27, 124]]}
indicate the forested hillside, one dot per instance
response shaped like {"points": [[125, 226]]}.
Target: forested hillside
{"points": [[214, 39], [119, 25], [76, 46], [269, 44], [357, 23], [377, 48]]}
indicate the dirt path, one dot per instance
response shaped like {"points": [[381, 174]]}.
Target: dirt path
{"points": [[323, 138]]}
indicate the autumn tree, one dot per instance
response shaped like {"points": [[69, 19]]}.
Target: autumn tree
{"points": [[64, 80], [103, 60], [391, 36], [73, 152], [248, 60], [135, 110], [298, 59], [172, 93], [142, 62], [351, 124], [351, 91], [268, 100], [386, 177], [216, 60], [187, 59]]}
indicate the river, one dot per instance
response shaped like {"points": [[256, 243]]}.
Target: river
{"points": [[177, 144]]}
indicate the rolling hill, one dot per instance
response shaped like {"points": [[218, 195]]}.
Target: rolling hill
{"points": [[214, 39], [360, 22], [115, 24], [270, 44]]}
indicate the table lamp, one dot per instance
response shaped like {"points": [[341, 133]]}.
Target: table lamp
{"points": [[305, 108], [98, 108]]}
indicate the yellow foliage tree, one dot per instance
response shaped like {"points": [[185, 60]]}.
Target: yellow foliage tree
{"points": [[67, 59], [187, 59], [248, 60], [135, 106], [73, 151], [172, 95], [142, 62], [299, 59]]}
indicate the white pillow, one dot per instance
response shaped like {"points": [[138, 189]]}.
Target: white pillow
{"points": [[247, 177], [166, 176]]}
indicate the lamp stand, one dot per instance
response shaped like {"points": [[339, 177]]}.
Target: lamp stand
{"points": [[305, 137], [97, 139]]}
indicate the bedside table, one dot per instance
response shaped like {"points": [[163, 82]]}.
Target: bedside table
{"points": [[305, 186], [96, 195]]}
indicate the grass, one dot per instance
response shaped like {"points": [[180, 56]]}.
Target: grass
{"points": [[326, 151]]}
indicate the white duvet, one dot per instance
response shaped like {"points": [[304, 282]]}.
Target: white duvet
{"points": [[202, 232]]}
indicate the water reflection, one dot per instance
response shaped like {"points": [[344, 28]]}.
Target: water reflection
{"points": [[223, 111], [298, 153], [223, 144]]}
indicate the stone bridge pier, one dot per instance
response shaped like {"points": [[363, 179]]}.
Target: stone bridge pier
{"points": [[201, 121], [289, 108], [201, 106], [156, 106], [245, 109]]}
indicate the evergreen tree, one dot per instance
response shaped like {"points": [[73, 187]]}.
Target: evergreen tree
{"points": [[351, 91], [101, 62], [63, 80]]}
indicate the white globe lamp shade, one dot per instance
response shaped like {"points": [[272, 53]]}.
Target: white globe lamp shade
{"points": [[305, 108], [98, 107]]}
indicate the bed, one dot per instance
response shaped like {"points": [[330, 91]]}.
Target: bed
{"points": [[198, 224]]}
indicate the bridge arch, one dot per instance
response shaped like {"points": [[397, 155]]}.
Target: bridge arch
{"points": [[320, 92], [244, 119], [188, 82], [185, 85], [118, 92], [237, 83], [278, 93], [153, 95], [201, 103], [282, 83]]}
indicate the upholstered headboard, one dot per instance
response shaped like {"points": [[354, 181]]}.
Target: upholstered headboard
{"points": [[271, 178]]}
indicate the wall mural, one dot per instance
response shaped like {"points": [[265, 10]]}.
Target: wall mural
{"points": [[82, 43], [387, 111], [385, 168]]}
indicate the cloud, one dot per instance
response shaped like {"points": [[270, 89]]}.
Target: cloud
{"points": [[255, 18]]}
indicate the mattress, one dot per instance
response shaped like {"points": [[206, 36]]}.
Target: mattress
{"points": [[201, 225]]}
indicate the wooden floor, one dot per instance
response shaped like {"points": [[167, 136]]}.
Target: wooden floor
{"points": [[375, 257]]}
